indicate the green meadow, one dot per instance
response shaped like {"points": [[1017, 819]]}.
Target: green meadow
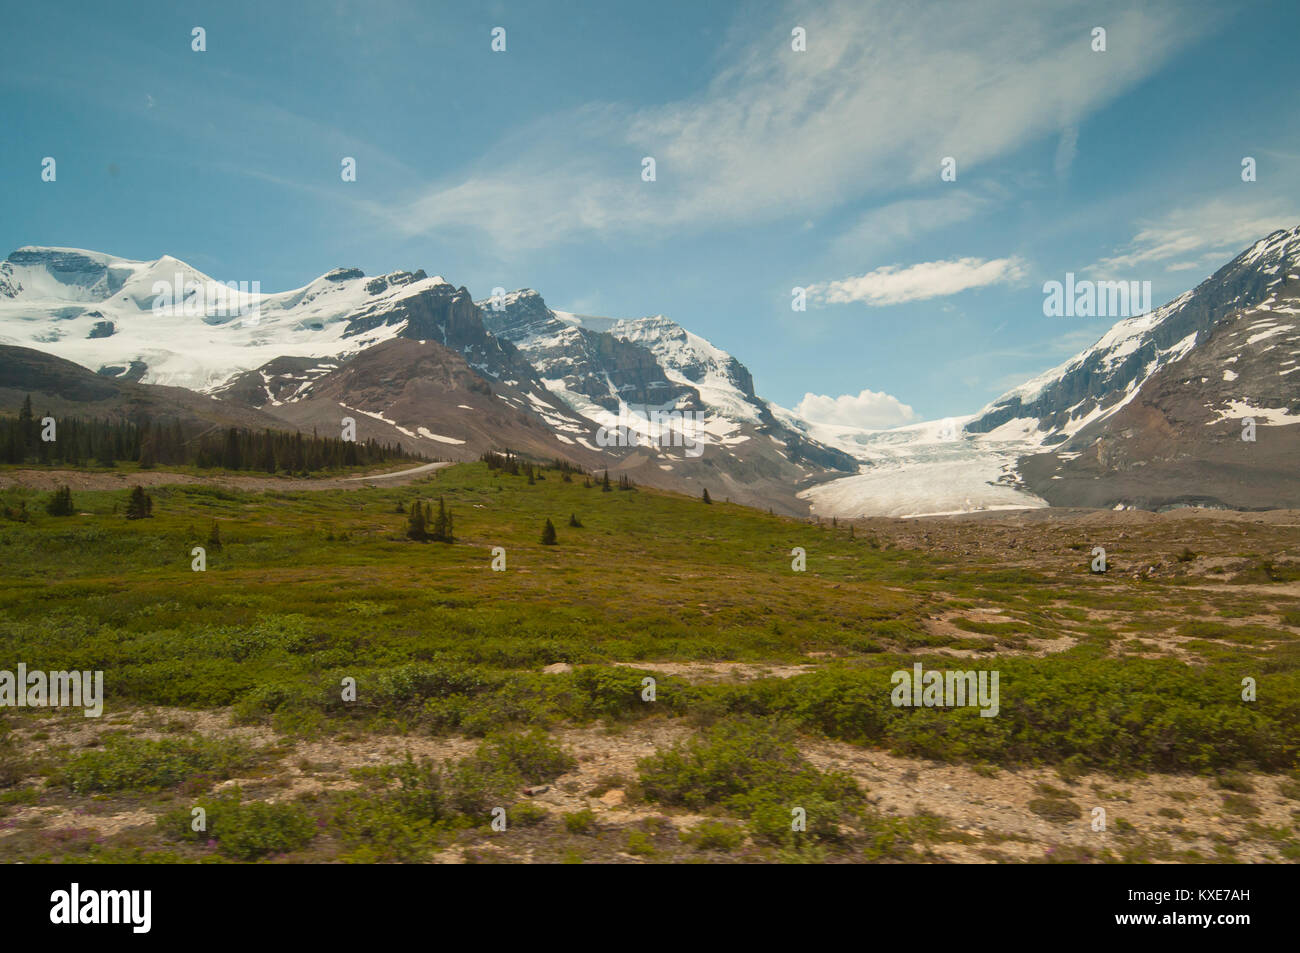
{"points": [[311, 589]]}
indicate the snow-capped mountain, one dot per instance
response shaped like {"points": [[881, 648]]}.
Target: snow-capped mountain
{"points": [[411, 358], [619, 373], [1103, 378], [588, 367], [1149, 416], [1219, 425], [164, 322]]}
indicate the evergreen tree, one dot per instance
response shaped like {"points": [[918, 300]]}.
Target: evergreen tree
{"points": [[26, 426], [60, 504], [548, 534], [267, 454], [140, 505], [706, 495], [232, 459], [573, 521], [400, 507], [604, 486], [415, 524], [586, 482], [214, 538], [442, 531]]}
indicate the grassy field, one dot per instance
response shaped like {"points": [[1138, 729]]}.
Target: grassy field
{"points": [[225, 688]]}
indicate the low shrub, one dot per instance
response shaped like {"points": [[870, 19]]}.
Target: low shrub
{"points": [[140, 764]]}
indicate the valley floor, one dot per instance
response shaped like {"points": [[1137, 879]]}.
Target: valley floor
{"points": [[503, 716]]}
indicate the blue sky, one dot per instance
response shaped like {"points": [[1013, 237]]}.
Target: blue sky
{"points": [[774, 168]]}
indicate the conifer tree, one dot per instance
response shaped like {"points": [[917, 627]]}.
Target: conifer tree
{"points": [[140, 505], [214, 538], [573, 521], [60, 504], [706, 495], [442, 531], [231, 458], [415, 524], [548, 534], [604, 486], [27, 425]]}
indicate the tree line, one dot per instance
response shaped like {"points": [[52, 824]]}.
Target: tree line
{"points": [[81, 441]]}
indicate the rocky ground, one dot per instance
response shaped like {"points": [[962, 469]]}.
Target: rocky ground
{"points": [[959, 813]]}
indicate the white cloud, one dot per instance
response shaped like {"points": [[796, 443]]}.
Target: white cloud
{"points": [[869, 410], [1199, 236], [932, 279], [882, 93]]}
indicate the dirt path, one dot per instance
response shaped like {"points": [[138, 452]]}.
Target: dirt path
{"points": [[82, 480], [400, 473]]}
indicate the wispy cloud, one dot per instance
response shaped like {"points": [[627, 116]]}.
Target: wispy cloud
{"points": [[882, 93], [1199, 236], [932, 279], [905, 220]]}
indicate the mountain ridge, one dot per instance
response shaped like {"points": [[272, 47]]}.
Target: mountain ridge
{"points": [[579, 386]]}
